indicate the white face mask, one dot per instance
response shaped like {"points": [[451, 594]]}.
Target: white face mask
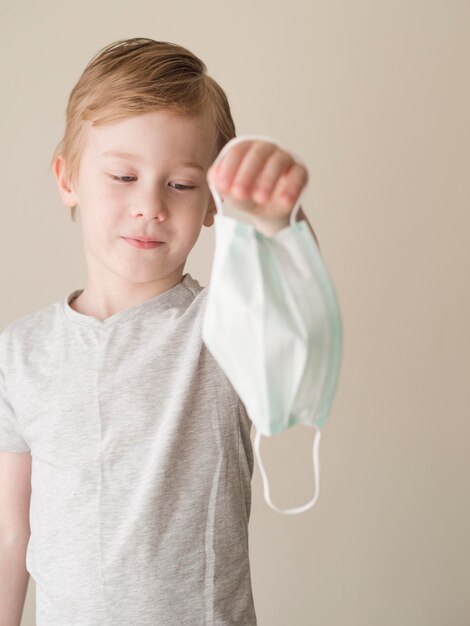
{"points": [[273, 324]]}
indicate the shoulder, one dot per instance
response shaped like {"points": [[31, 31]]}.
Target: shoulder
{"points": [[192, 285], [194, 292], [24, 331]]}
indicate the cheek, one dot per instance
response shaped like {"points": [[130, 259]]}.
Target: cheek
{"points": [[99, 219], [98, 191], [191, 227], [102, 203]]}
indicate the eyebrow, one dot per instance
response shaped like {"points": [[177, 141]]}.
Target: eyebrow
{"points": [[136, 157]]}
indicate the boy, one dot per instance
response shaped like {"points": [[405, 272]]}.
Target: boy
{"points": [[121, 439]]}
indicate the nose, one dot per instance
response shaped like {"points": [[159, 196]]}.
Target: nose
{"points": [[151, 205]]}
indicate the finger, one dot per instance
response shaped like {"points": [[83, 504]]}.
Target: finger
{"points": [[228, 165], [253, 163], [278, 164], [212, 172], [291, 184]]}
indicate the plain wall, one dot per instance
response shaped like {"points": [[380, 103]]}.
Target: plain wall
{"points": [[374, 96]]}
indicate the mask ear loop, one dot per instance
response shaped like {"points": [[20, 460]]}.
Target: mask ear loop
{"points": [[226, 148], [316, 469]]}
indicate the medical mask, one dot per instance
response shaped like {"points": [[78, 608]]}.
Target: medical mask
{"points": [[272, 322]]}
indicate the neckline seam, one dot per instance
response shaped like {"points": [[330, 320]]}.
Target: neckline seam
{"points": [[93, 322]]}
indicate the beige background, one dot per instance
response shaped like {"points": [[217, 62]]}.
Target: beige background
{"points": [[375, 97]]}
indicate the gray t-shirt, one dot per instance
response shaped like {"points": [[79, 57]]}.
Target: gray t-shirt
{"points": [[141, 465]]}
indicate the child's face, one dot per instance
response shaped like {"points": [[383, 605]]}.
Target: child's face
{"points": [[151, 201]]}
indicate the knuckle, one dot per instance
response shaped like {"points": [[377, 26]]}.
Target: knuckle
{"points": [[263, 148]]}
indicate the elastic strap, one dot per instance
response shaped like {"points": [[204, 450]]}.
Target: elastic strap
{"points": [[316, 469]]}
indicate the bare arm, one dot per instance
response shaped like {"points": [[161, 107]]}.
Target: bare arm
{"points": [[15, 495]]}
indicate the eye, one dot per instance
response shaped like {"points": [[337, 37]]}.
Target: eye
{"points": [[121, 179], [181, 187]]}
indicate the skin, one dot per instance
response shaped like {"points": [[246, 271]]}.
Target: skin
{"points": [[151, 200], [263, 174]]}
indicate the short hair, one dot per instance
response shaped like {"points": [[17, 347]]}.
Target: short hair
{"points": [[139, 75]]}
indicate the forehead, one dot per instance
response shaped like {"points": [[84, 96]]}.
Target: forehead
{"points": [[155, 136]]}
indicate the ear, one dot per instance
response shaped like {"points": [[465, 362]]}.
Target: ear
{"points": [[66, 192], [209, 216]]}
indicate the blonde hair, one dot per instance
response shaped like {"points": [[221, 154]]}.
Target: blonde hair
{"points": [[139, 75]]}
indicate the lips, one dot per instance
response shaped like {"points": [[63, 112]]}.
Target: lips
{"points": [[145, 239], [137, 243]]}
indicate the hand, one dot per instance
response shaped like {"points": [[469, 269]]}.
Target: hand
{"points": [[264, 177]]}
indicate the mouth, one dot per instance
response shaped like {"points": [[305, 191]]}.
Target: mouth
{"points": [[145, 239], [143, 243]]}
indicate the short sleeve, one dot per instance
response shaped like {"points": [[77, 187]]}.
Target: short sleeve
{"points": [[11, 439]]}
